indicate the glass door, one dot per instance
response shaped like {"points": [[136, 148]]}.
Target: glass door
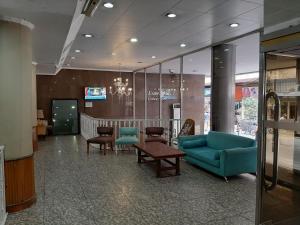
{"points": [[280, 139], [65, 116]]}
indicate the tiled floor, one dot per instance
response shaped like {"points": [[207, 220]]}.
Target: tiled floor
{"points": [[76, 189]]}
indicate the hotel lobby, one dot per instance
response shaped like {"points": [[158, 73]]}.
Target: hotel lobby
{"points": [[149, 112]]}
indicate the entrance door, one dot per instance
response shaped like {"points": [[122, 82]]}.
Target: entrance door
{"points": [[279, 183], [65, 116]]}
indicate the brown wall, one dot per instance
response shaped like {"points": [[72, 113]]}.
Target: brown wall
{"points": [[71, 83]]}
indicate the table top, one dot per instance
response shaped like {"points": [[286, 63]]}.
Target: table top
{"points": [[159, 150]]}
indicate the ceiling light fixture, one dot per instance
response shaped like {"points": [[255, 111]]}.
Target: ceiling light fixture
{"points": [[108, 5], [88, 35], [113, 54], [182, 45], [73, 57], [134, 40], [171, 15], [234, 25], [77, 50], [153, 57]]}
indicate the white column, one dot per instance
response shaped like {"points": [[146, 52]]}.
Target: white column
{"points": [[16, 88]]}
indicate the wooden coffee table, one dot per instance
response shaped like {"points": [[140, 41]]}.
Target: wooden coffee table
{"points": [[160, 152]]}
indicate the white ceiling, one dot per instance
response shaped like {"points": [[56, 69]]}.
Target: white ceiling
{"points": [[247, 59], [199, 23]]}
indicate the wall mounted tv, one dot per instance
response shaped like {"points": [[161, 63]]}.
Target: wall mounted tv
{"points": [[94, 93]]}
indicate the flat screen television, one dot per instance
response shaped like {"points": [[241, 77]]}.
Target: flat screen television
{"points": [[94, 93]]}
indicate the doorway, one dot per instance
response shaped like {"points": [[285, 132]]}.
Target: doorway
{"points": [[65, 116]]}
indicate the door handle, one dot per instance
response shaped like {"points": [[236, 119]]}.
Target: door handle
{"points": [[269, 187]]}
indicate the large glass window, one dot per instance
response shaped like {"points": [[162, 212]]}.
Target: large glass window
{"points": [[170, 94], [195, 68], [140, 95], [153, 92]]}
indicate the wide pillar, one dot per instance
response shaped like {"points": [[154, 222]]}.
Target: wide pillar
{"points": [[16, 112], [296, 163], [223, 88]]}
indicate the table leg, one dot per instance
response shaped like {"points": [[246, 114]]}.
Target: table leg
{"points": [[177, 166], [88, 148], [139, 156], [158, 167]]}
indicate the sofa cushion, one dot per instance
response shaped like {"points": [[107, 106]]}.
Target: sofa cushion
{"points": [[205, 154], [127, 140], [194, 143], [220, 140]]}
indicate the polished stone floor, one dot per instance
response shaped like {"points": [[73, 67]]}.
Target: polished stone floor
{"points": [[76, 189]]}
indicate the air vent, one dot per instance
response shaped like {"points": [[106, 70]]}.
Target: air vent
{"points": [[90, 7]]}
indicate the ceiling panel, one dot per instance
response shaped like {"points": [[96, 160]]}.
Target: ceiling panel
{"points": [[52, 22], [199, 23]]}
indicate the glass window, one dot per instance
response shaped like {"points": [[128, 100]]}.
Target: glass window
{"points": [[195, 98], [140, 95], [153, 94], [170, 94]]}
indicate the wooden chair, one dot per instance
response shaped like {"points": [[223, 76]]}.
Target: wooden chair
{"points": [[105, 137], [154, 134]]}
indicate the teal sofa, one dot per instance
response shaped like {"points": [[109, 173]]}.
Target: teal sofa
{"points": [[220, 153]]}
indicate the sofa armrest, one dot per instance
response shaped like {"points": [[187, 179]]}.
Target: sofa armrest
{"points": [[238, 160], [182, 139]]}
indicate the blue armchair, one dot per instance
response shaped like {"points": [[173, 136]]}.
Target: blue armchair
{"points": [[127, 136]]}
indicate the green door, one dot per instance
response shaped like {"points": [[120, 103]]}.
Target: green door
{"points": [[65, 117]]}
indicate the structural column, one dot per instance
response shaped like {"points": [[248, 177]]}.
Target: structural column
{"points": [[34, 109], [16, 112], [296, 163], [223, 88]]}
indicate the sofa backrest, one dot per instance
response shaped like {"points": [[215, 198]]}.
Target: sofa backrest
{"points": [[221, 140]]}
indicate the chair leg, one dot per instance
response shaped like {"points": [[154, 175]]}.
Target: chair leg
{"points": [[111, 146], [105, 147], [226, 179], [88, 148]]}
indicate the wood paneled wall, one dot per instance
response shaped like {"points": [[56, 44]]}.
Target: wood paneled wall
{"points": [[71, 83]]}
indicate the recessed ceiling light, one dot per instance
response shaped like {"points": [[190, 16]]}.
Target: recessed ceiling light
{"points": [[77, 50], [108, 5], [114, 54], [134, 40], [171, 15], [233, 25], [182, 45], [68, 65], [153, 57], [139, 62], [88, 35], [73, 57]]}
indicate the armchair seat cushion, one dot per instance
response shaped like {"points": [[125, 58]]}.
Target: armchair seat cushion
{"points": [[127, 140], [101, 139], [156, 139]]}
